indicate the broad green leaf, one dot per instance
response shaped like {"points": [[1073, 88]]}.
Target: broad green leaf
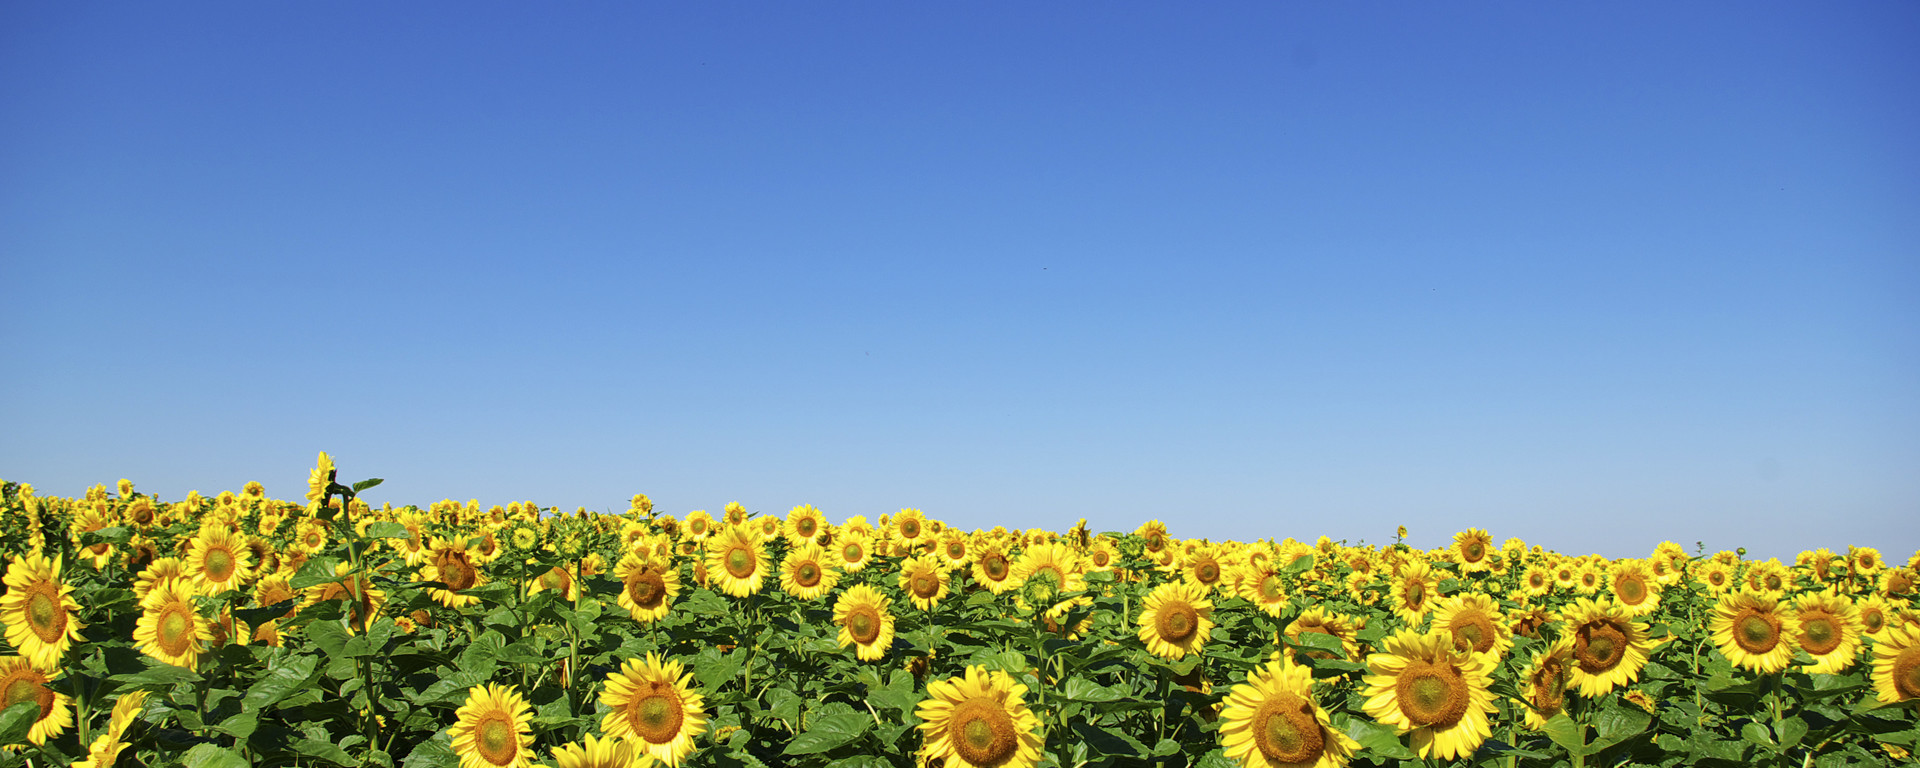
{"points": [[210, 756], [324, 750], [239, 726], [1756, 734], [17, 720], [1380, 738], [1108, 741], [387, 529], [1790, 731], [1570, 735], [828, 733], [331, 636], [367, 483], [159, 674], [316, 572], [284, 676]]}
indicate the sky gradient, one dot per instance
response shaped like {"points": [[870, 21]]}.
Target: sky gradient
{"points": [[1595, 276]]}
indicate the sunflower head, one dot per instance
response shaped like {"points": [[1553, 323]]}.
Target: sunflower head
{"points": [[1827, 627], [1750, 628], [865, 622], [1273, 720], [653, 707], [977, 720], [1609, 648], [737, 561], [494, 729], [1176, 619], [1424, 686], [39, 611], [21, 682]]}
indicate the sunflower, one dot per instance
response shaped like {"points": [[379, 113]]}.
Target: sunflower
{"points": [[1896, 665], [804, 572], [1476, 623], [20, 681], [647, 588], [993, 569], [1054, 558], [1609, 648], [924, 580], [494, 729], [1422, 684], [954, 549], [1544, 684], [596, 752], [1768, 577], [1750, 629], [106, 747], [1202, 567], [1273, 720], [1827, 627], [1263, 586], [320, 478], [1319, 619], [1176, 619], [736, 562], [169, 629], [1634, 587], [653, 707], [909, 526], [558, 578], [1415, 588], [363, 600], [805, 524], [451, 564], [1875, 615], [219, 560], [865, 622], [38, 610], [1471, 549], [1718, 577], [852, 550], [977, 720]]}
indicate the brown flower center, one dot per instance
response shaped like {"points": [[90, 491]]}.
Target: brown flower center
{"points": [[1756, 632], [1599, 645], [1472, 630], [1632, 590], [45, 615], [924, 585], [1818, 633], [1285, 730], [174, 632], [656, 714], [646, 589], [1207, 572], [27, 684], [807, 575], [982, 732], [806, 527], [863, 624], [1432, 693], [739, 562], [1177, 621], [1906, 673]]}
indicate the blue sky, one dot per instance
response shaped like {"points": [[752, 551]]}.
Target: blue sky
{"points": [[1591, 275]]}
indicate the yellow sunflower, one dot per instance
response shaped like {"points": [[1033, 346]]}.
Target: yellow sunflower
{"points": [[647, 588], [106, 747], [1273, 720], [1609, 648], [1543, 686], [909, 526], [978, 720], [1476, 623], [1053, 558], [994, 570], [219, 560], [1634, 587], [805, 524], [451, 564], [865, 622], [1716, 576], [1415, 590], [1263, 586], [1176, 619], [1896, 665], [362, 599], [737, 562], [924, 580], [169, 629], [494, 729], [596, 752], [954, 549], [20, 681], [1421, 684], [1202, 567], [1875, 615], [1827, 627], [852, 551], [1319, 619], [804, 572], [1536, 581], [38, 610], [653, 708], [1471, 549], [1750, 628]]}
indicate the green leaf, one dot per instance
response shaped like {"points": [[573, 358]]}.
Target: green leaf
{"points": [[240, 726], [1570, 735], [284, 676], [117, 534], [1166, 747], [1081, 689], [210, 756], [330, 636], [159, 674], [317, 571], [436, 752], [1106, 741], [325, 750], [367, 483], [827, 733], [1755, 733], [1319, 641], [1381, 738], [17, 720], [1790, 731], [387, 529]]}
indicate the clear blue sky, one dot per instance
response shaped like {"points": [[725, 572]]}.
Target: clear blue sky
{"points": [[1594, 275]]}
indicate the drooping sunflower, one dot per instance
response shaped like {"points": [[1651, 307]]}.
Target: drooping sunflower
{"points": [[1471, 549], [39, 611], [865, 622], [654, 708], [494, 729], [596, 752], [1634, 587], [737, 562], [979, 720], [106, 747], [21, 681], [1544, 684], [647, 587], [1422, 685], [219, 560], [924, 580], [1896, 665], [1476, 623], [169, 629], [319, 478], [1609, 648], [451, 564], [1827, 626], [1176, 619], [1750, 628], [804, 572], [1273, 720]]}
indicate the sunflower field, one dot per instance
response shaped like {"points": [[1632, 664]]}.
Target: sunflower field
{"points": [[242, 630]]}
